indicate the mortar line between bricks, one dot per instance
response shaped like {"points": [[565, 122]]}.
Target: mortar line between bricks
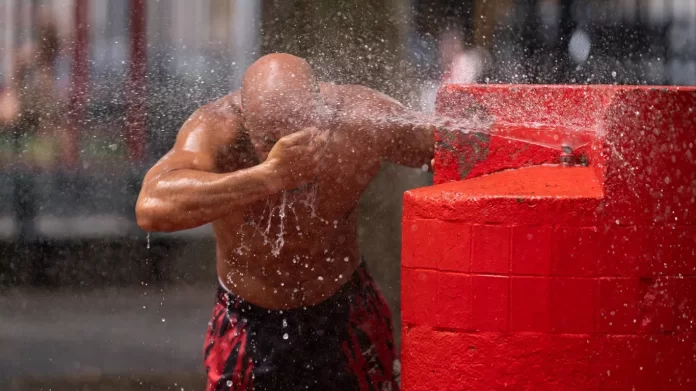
{"points": [[594, 334], [557, 276], [471, 247], [509, 262], [596, 304], [470, 311], [551, 224]]}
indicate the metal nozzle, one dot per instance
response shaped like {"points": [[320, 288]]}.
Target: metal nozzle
{"points": [[567, 158]]}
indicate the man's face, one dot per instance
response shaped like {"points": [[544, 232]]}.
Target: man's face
{"points": [[267, 127]]}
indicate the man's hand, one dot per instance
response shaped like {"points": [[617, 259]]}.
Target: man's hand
{"points": [[295, 158]]}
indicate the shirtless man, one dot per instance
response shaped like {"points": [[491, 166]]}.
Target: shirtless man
{"points": [[278, 168]]}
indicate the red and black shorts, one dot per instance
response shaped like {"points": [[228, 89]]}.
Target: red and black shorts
{"points": [[343, 343]]}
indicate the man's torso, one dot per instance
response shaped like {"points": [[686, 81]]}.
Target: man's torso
{"points": [[298, 247]]}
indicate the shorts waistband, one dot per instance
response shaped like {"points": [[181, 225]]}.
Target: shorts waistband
{"points": [[333, 303]]}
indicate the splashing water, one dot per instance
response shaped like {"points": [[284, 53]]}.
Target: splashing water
{"points": [[280, 240], [544, 135], [286, 205], [554, 137]]}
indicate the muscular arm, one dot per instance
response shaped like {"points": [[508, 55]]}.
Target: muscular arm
{"points": [[401, 136], [183, 190]]}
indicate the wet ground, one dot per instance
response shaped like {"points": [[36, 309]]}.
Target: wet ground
{"points": [[110, 339]]}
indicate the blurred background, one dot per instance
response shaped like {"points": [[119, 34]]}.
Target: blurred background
{"points": [[92, 92]]}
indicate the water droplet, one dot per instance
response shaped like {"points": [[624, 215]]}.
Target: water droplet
{"points": [[285, 323], [613, 74], [345, 259], [320, 278], [163, 320], [229, 383], [286, 336], [148, 240]]}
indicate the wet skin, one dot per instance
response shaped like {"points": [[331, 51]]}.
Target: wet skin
{"points": [[282, 204]]}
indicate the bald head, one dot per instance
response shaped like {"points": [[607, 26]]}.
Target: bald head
{"points": [[279, 95]]}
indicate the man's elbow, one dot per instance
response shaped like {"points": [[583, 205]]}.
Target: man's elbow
{"points": [[152, 218], [145, 218]]}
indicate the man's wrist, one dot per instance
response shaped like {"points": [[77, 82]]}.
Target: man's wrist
{"points": [[272, 178]]}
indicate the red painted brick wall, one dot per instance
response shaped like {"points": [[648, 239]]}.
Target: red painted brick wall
{"points": [[557, 278]]}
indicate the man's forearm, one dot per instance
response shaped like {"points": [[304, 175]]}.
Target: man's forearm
{"points": [[184, 199], [411, 140]]}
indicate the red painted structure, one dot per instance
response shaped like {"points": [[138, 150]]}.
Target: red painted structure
{"points": [[531, 275], [137, 83], [79, 83]]}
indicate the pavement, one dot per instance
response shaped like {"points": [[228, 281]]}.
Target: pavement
{"points": [[127, 337]]}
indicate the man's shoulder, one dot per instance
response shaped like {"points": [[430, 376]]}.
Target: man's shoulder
{"points": [[227, 106], [222, 112]]}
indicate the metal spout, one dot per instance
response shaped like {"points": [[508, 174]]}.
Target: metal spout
{"points": [[567, 159]]}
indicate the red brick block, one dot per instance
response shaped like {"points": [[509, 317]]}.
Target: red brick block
{"points": [[573, 305], [418, 242], [453, 301], [529, 304], [655, 245], [686, 305], [539, 361], [575, 252], [681, 253], [431, 244], [669, 250], [670, 360], [618, 305], [531, 250], [643, 363], [667, 304], [623, 252], [490, 297], [418, 290], [490, 249], [454, 247], [655, 306]]}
